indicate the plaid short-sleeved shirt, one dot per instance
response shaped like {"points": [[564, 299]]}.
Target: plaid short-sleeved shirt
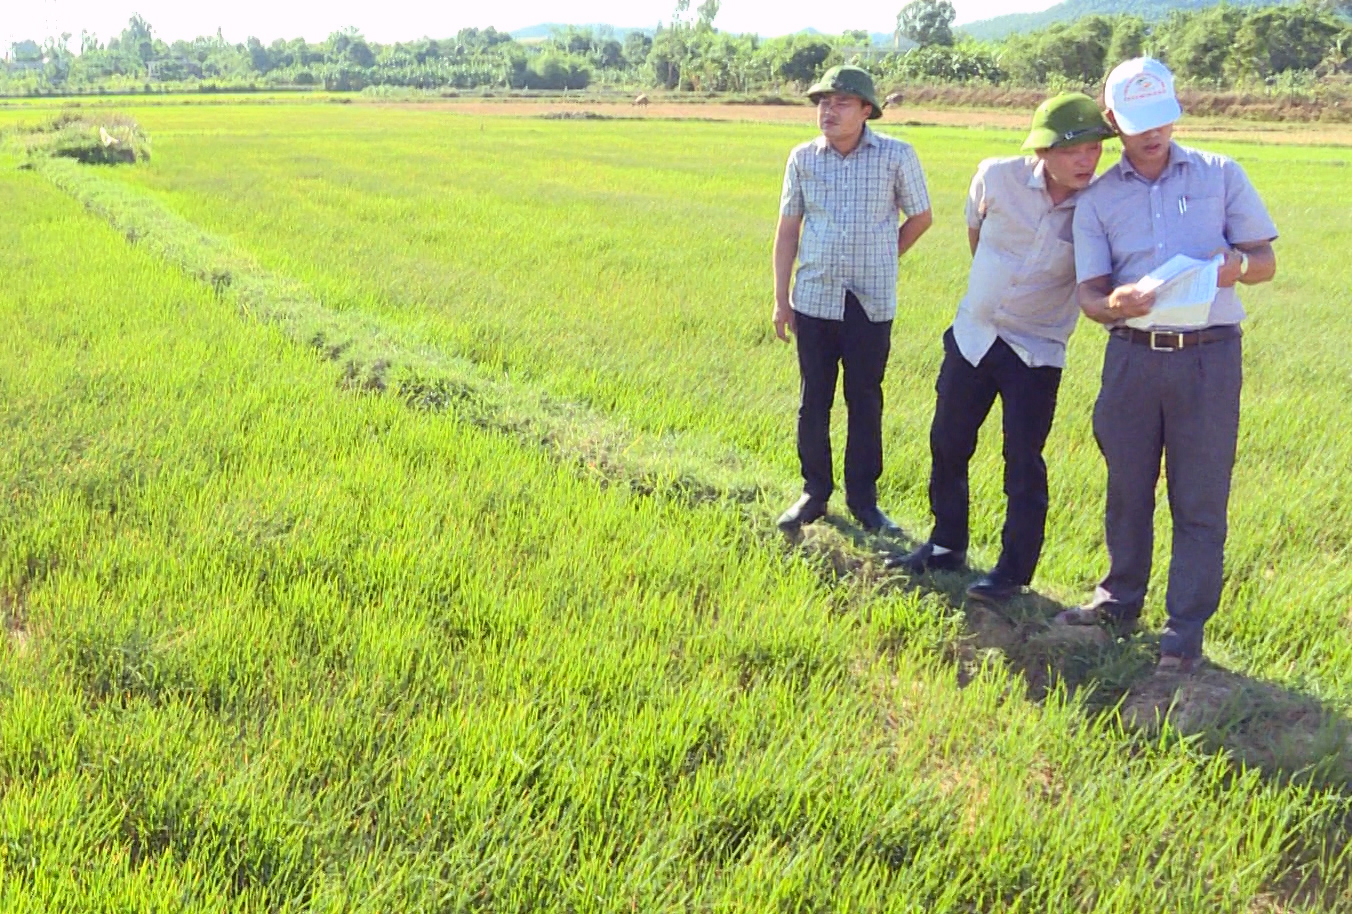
{"points": [[850, 207], [1126, 226]]}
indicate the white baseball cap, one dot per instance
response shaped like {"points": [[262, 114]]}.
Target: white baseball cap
{"points": [[1140, 94]]}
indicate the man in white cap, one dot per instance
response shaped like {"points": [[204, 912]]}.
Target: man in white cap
{"points": [[1169, 391]]}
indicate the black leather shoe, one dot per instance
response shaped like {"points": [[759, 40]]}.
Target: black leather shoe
{"points": [[924, 560], [875, 521], [990, 588], [804, 511]]}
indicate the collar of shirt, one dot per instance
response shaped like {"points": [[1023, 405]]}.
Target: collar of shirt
{"points": [[1037, 176], [1037, 180], [821, 144], [1178, 158]]}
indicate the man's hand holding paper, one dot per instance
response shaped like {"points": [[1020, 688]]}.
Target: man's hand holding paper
{"points": [[1231, 269], [1131, 300], [1184, 289]]}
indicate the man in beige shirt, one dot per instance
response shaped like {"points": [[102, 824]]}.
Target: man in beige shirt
{"points": [[1009, 339]]}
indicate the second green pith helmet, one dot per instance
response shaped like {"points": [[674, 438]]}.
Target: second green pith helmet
{"points": [[850, 80], [1067, 119]]}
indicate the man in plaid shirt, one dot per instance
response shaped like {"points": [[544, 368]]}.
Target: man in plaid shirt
{"points": [[844, 193]]}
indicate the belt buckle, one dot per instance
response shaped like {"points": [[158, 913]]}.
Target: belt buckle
{"points": [[1176, 334]]}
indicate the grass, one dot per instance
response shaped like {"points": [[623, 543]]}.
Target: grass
{"points": [[277, 642], [630, 274]]}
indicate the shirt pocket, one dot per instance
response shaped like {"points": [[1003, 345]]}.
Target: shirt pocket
{"points": [[1044, 299], [1060, 258], [1129, 230], [1199, 225], [1053, 262]]}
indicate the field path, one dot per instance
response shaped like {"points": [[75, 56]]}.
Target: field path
{"points": [[983, 118]]}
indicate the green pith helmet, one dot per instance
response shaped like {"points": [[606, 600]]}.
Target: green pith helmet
{"points": [[851, 80], [1067, 119]]}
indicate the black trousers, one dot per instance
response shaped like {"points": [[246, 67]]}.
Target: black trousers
{"points": [[861, 347], [965, 396]]}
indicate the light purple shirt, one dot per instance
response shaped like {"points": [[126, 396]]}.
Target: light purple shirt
{"points": [[851, 208], [1201, 204], [1022, 284]]}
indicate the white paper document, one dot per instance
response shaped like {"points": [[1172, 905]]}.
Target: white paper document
{"points": [[1184, 289]]}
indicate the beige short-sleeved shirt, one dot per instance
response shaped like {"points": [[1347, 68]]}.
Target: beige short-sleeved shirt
{"points": [[1201, 204], [1022, 284], [851, 207]]}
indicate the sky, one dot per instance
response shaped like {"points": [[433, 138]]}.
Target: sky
{"points": [[396, 20]]}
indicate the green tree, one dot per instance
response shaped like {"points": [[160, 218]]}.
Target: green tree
{"points": [[797, 58], [637, 46], [58, 59], [28, 53], [667, 57], [359, 54], [1074, 52], [707, 12], [927, 21], [1278, 39], [138, 38], [935, 63], [1197, 45], [1128, 41], [259, 57], [607, 54], [554, 71]]}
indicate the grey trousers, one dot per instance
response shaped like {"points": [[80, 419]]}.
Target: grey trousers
{"points": [[1184, 406]]}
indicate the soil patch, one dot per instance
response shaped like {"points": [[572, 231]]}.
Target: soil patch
{"points": [[1229, 130]]}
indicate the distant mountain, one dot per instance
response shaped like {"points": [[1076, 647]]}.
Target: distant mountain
{"points": [[546, 29], [1000, 26]]}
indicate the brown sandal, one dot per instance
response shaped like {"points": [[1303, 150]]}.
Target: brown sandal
{"points": [[1080, 615], [1092, 615]]}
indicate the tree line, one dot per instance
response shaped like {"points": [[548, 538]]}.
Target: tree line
{"points": [[1214, 46]]}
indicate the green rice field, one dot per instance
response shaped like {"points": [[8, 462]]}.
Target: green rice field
{"points": [[388, 526]]}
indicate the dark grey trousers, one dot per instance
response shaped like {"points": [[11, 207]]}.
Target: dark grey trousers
{"points": [[1183, 406]]}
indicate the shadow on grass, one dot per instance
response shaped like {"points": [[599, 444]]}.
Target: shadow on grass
{"points": [[1290, 736]]}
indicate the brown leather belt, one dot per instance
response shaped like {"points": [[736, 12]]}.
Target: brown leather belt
{"points": [[1173, 340]]}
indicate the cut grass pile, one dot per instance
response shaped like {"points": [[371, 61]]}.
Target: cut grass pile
{"points": [[90, 137], [277, 643]]}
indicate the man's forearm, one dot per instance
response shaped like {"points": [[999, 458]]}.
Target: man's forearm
{"points": [[1095, 301], [786, 252], [912, 229], [1262, 264]]}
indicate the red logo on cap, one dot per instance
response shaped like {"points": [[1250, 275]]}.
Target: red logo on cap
{"points": [[1143, 86]]}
